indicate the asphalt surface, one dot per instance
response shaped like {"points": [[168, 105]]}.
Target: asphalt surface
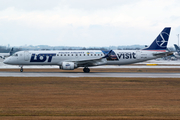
{"points": [[99, 74]]}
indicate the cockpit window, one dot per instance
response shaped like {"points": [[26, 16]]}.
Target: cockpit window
{"points": [[15, 54]]}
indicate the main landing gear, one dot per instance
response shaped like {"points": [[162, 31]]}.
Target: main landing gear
{"points": [[21, 70], [86, 70]]}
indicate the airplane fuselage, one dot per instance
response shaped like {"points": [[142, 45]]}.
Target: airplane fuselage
{"points": [[120, 57]]}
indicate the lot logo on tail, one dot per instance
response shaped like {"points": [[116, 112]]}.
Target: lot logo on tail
{"points": [[161, 39]]}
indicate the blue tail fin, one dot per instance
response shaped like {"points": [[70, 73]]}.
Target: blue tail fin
{"points": [[160, 43], [177, 49], [11, 51]]}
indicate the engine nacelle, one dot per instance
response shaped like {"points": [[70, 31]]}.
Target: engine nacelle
{"points": [[68, 66]]}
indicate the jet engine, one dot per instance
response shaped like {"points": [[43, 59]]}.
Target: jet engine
{"points": [[68, 66]]}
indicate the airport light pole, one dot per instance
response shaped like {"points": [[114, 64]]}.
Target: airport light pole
{"points": [[178, 39]]}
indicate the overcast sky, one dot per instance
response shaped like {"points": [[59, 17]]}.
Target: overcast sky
{"points": [[87, 22]]}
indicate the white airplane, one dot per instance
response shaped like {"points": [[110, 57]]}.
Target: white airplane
{"points": [[72, 59], [3, 55], [177, 53]]}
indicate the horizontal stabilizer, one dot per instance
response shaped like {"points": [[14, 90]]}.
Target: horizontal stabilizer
{"points": [[163, 54]]}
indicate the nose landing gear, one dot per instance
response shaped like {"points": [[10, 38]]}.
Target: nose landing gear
{"points": [[21, 70], [86, 70]]}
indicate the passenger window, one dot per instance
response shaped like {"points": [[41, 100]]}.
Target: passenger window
{"points": [[94, 54], [64, 54], [72, 55]]}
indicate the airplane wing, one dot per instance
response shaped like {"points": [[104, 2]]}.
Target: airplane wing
{"points": [[92, 62]]}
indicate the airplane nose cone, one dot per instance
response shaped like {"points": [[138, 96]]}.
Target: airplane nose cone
{"points": [[5, 61]]}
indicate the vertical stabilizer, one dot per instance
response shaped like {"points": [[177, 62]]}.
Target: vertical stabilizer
{"points": [[11, 51], [177, 49], [160, 43]]}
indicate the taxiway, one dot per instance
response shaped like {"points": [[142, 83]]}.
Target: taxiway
{"points": [[98, 74]]}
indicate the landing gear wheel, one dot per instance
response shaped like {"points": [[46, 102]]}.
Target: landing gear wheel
{"points": [[21, 70], [86, 70]]}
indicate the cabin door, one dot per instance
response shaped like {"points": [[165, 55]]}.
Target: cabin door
{"points": [[26, 55], [138, 54]]}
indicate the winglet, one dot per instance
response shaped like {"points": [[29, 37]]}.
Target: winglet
{"points": [[108, 55], [160, 43]]}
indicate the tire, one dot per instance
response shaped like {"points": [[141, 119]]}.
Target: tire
{"points": [[21, 70], [86, 70]]}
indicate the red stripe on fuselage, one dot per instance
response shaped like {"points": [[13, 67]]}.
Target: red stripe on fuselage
{"points": [[156, 50]]}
